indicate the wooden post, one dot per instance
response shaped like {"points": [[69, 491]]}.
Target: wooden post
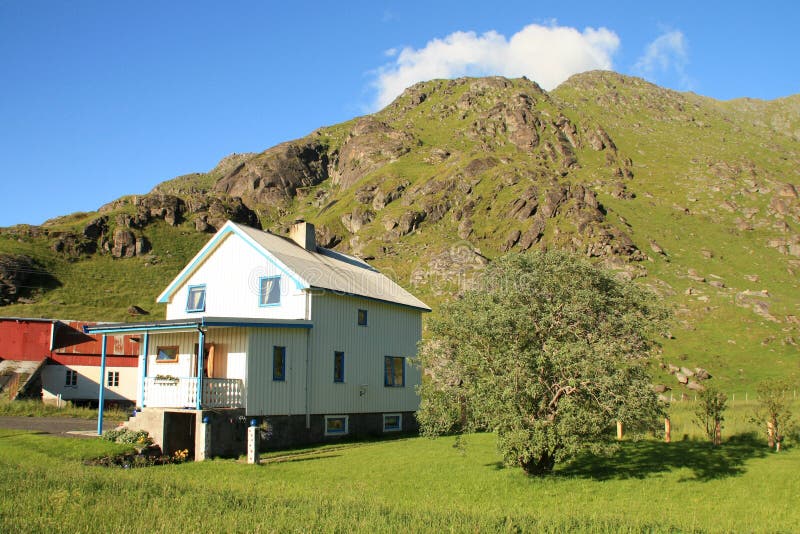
{"points": [[770, 433], [619, 430], [667, 430], [252, 443], [718, 433]]}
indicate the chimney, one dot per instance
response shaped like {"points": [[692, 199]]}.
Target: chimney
{"points": [[302, 233]]}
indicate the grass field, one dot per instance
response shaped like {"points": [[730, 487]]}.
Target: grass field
{"points": [[35, 408], [405, 485]]}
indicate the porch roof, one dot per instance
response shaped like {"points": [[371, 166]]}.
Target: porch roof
{"points": [[186, 325]]}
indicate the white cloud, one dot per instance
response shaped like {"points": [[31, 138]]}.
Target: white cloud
{"points": [[667, 54], [547, 54]]}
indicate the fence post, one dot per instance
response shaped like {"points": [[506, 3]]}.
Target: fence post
{"points": [[667, 430]]}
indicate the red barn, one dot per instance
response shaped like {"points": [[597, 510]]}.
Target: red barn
{"points": [[53, 359]]}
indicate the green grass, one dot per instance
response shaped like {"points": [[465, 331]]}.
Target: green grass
{"points": [[33, 408], [403, 485]]}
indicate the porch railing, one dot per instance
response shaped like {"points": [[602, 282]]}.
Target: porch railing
{"points": [[182, 392]]}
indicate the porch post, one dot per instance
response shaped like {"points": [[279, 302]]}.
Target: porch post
{"points": [[101, 394], [200, 349], [146, 351]]}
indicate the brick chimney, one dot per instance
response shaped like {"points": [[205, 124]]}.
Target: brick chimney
{"points": [[302, 233]]}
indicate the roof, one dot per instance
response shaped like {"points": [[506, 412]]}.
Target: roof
{"points": [[194, 324], [322, 269]]}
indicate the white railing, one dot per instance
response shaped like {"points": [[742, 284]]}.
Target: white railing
{"points": [[182, 393]]}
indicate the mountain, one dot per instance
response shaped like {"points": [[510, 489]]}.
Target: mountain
{"points": [[693, 197]]}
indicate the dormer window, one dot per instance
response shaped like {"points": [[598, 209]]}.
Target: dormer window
{"points": [[269, 293], [196, 299]]}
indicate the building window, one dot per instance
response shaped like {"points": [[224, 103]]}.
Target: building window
{"points": [[394, 372], [362, 317], [113, 379], [392, 422], [279, 363], [269, 291], [72, 378], [338, 366], [336, 425], [167, 354], [196, 300]]}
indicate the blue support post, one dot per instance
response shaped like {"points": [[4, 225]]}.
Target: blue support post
{"points": [[101, 395], [200, 351], [145, 351]]}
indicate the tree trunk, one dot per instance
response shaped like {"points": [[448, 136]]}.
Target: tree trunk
{"points": [[770, 433], [667, 430], [539, 466], [718, 433], [620, 431]]}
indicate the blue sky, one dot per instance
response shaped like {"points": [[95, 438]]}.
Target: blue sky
{"points": [[101, 99]]}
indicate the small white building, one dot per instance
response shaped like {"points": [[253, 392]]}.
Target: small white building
{"points": [[308, 342]]}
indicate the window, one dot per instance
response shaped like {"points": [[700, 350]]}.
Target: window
{"points": [[392, 422], [394, 372], [269, 291], [166, 354], [338, 366], [362, 317], [196, 300], [335, 425], [279, 363], [113, 379], [71, 379]]}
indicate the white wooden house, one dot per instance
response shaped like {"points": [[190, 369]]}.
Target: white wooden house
{"points": [[312, 342]]}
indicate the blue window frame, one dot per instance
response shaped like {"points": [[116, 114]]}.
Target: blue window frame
{"points": [[392, 422], [394, 375], [196, 299], [362, 317], [269, 291], [338, 366], [336, 425], [279, 364]]}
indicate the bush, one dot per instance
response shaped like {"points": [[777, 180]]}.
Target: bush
{"points": [[138, 438]]}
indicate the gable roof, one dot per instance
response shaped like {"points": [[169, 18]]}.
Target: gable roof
{"points": [[323, 269]]}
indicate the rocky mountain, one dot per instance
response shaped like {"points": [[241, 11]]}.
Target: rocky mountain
{"points": [[696, 198]]}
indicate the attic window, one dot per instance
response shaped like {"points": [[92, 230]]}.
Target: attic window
{"points": [[196, 299], [269, 292]]}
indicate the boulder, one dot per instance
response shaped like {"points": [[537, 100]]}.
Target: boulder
{"points": [[687, 372], [683, 379], [695, 386], [701, 374], [660, 388], [136, 310], [511, 240], [124, 244]]}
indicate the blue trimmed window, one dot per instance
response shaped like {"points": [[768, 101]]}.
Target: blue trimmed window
{"points": [[196, 299], [362, 317], [338, 366], [269, 291], [392, 422], [394, 375], [279, 364], [336, 425]]}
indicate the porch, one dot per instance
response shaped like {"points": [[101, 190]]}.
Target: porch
{"points": [[182, 392]]}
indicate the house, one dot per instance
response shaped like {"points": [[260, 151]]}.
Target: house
{"points": [[54, 360], [310, 343]]}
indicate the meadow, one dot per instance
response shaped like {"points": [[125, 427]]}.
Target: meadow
{"points": [[411, 484]]}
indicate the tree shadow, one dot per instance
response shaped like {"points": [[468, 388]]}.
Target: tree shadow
{"points": [[641, 459]]}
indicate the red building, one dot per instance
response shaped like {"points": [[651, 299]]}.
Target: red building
{"points": [[54, 360]]}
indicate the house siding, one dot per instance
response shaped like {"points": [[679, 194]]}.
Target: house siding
{"points": [[232, 287], [266, 396], [87, 387], [391, 331]]}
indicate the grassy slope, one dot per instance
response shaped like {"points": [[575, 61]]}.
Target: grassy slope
{"points": [[673, 139], [403, 485]]}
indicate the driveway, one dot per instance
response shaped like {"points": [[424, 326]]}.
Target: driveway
{"points": [[58, 426]]}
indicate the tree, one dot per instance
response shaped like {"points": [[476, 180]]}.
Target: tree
{"points": [[548, 352], [709, 413], [774, 397]]}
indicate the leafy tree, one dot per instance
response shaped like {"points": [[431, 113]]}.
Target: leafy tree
{"points": [[548, 352], [709, 412], [774, 397]]}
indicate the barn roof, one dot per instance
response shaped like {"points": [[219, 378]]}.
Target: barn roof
{"points": [[321, 269]]}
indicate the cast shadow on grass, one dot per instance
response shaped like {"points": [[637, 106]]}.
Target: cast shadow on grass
{"points": [[288, 460], [641, 459]]}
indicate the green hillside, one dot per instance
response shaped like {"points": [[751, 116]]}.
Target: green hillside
{"points": [[692, 197]]}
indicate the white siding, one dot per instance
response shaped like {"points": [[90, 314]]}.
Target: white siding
{"points": [[391, 331], [266, 396], [87, 387], [231, 275]]}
